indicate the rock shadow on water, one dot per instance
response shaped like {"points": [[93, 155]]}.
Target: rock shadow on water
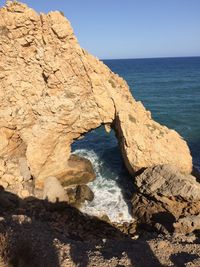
{"points": [[38, 233]]}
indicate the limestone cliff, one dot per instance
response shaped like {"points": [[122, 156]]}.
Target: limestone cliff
{"points": [[52, 92]]}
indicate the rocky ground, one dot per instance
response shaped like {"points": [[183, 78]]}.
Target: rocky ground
{"points": [[35, 231], [38, 233]]}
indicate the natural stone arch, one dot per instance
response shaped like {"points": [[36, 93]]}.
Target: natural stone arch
{"points": [[52, 92]]}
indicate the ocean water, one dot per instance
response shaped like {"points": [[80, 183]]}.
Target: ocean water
{"points": [[170, 89]]}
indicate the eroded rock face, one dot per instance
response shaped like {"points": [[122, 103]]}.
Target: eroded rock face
{"points": [[165, 196], [79, 171], [52, 92], [166, 180]]}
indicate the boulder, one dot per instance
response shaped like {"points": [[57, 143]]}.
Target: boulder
{"points": [[164, 195], [167, 181], [53, 190], [78, 171], [79, 194], [83, 192], [52, 92]]}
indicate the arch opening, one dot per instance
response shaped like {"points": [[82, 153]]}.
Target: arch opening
{"points": [[113, 186]]}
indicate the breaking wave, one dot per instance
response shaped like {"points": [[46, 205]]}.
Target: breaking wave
{"points": [[108, 197]]}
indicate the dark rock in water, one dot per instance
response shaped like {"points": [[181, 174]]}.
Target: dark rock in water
{"points": [[79, 194], [79, 171], [83, 192], [164, 195], [71, 192]]}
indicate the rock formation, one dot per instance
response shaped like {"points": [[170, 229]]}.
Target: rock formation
{"points": [[188, 224], [52, 92], [79, 171], [78, 194], [53, 190], [165, 197]]}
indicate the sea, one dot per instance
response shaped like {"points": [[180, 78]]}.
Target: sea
{"points": [[170, 89]]}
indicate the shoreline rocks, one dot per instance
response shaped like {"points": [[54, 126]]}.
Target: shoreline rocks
{"points": [[74, 195], [79, 171], [165, 197], [78, 194]]}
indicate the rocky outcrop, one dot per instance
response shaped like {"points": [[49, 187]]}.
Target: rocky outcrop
{"points": [[52, 92], [15, 175], [165, 196], [78, 171]]}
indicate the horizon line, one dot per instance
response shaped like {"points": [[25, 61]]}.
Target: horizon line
{"points": [[148, 57]]}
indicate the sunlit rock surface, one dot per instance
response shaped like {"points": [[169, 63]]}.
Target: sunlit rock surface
{"points": [[166, 197], [52, 92]]}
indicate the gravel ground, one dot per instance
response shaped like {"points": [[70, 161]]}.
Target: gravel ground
{"points": [[37, 233]]}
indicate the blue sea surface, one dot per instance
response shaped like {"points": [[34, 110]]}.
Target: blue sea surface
{"points": [[170, 89]]}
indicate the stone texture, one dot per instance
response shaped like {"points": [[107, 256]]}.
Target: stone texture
{"points": [[164, 195], [24, 169], [10, 177], [78, 194], [53, 190], [52, 92], [188, 224], [84, 193], [79, 171], [166, 180], [24, 193]]}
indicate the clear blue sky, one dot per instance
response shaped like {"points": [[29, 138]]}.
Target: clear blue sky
{"points": [[131, 28]]}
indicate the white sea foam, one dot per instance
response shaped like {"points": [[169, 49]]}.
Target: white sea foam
{"points": [[108, 196]]}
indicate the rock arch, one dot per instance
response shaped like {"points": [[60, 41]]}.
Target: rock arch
{"points": [[52, 91]]}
